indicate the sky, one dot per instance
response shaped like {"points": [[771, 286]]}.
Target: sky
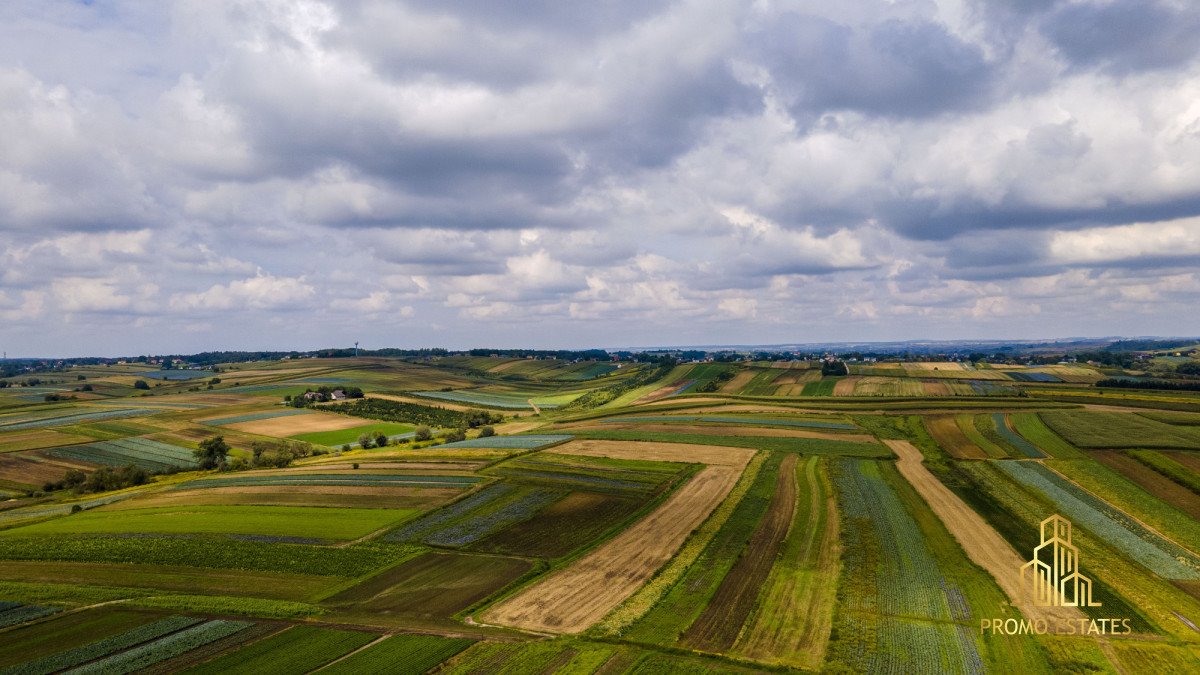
{"points": [[189, 175]]}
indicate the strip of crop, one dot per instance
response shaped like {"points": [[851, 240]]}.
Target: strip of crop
{"points": [[22, 613], [207, 552], [719, 625], [480, 525], [306, 478], [1031, 427], [679, 608], [102, 648], [1014, 440], [805, 446], [1119, 430], [526, 442], [968, 425], [164, 648], [400, 655], [791, 623], [297, 650], [1113, 491], [1162, 557], [77, 418], [450, 513], [1169, 468], [254, 417]]}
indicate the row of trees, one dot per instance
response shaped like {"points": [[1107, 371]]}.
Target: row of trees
{"points": [[103, 479]]}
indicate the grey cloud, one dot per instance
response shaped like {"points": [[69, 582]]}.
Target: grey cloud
{"points": [[1124, 36], [893, 69]]}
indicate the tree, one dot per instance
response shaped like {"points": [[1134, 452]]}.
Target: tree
{"points": [[487, 431], [381, 440], [423, 433], [215, 380], [456, 436], [86, 387], [141, 384], [365, 441], [212, 452]]}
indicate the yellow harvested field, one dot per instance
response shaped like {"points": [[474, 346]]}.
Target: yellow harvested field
{"points": [[935, 365], [739, 381], [501, 367], [982, 544], [576, 597], [298, 424], [715, 455], [936, 388], [32, 439], [735, 430], [846, 385]]}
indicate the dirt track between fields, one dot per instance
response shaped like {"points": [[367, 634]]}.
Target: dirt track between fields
{"points": [[576, 597], [983, 545]]}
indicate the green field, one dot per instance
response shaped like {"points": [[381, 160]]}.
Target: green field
{"points": [[344, 436], [268, 521], [751, 522]]}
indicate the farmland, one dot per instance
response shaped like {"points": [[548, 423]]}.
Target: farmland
{"points": [[576, 516]]}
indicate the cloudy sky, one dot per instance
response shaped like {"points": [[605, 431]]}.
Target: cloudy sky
{"points": [[205, 174]]}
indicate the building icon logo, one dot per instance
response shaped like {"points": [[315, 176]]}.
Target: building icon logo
{"points": [[1053, 574]]}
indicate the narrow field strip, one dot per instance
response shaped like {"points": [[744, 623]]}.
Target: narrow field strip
{"points": [[982, 544], [253, 417], [529, 442], [578, 596]]}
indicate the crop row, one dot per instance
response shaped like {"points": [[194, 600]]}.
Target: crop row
{"points": [[572, 479], [460, 509], [300, 649], [1013, 439], [206, 552], [253, 417], [679, 607], [102, 648], [168, 647], [814, 424], [366, 479], [804, 446], [149, 455], [1163, 557], [480, 398], [77, 418], [18, 613], [526, 442], [401, 655], [1169, 468], [1119, 430], [469, 530], [891, 567]]}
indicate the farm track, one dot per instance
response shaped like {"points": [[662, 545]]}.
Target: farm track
{"points": [[982, 544], [581, 594], [718, 626]]}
